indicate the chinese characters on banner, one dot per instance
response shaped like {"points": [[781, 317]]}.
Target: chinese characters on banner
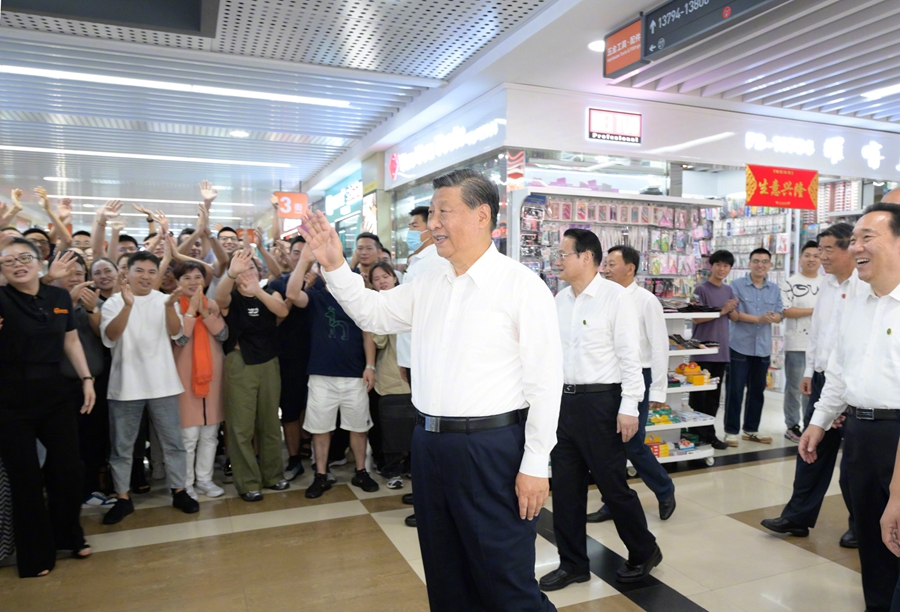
{"points": [[782, 187], [291, 205]]}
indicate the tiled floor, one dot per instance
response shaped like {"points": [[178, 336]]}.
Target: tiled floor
{"points": [[350, 551]]}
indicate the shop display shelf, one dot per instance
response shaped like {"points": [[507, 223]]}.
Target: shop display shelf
{"points": [[691, 388], [691, 315], [686, 352]]}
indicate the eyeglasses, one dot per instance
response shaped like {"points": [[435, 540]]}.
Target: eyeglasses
{"points": [[561, 255], [24, 258], [229, 239], [759, 262]]}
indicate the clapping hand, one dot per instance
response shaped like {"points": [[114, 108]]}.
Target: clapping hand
{"points": [[322, 240], [174, 296], [729, 306], [16, 196], [240, 263], [64, 211], [249, 284], [202, 220], [75, 293], [42, 195], [163, 223], [90, 298], [196, 303], [127, 295]]}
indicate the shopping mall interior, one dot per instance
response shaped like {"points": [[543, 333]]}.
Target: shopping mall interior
{"points": [[663, 126]]}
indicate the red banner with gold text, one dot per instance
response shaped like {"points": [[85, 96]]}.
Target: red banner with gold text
{"points": [[782, 187]]}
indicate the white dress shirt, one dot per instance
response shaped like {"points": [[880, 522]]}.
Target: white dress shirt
{"points": [[422, 261], [654, 340], [601, 340], [483, 343], [862, 369], [826, 319]]}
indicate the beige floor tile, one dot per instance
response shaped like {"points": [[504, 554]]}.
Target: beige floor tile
{"points": [[731, 491], [284, 500], [154, 517], [383, 504], [594, 589], [292, 516], [160, 534], [827, 586], [667, 574], [614, 603], [404, 538], [713, 602]]}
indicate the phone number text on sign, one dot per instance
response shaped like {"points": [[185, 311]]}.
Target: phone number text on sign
{"points": [[674, 15]]}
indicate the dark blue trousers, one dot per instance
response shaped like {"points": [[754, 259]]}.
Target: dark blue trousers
{"points": [[478, 554], [746, 372], [811, 480]]}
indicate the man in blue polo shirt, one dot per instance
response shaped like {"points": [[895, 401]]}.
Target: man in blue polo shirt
{"points": [[759, 306]]}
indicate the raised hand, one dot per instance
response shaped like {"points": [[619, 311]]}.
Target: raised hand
{"points": [[174, 296], [117, 226], [6, 214], [142, 210], [274, 202], [240, 263], [109, 211], [127, 295], [16, 196], [62, 265], [322, 240], [249, 285], [163, 222], [64, 211], [202, 220], [196, 303], [75, 293], [208, 193], [217, 227], [90, 298], [42, 195]]}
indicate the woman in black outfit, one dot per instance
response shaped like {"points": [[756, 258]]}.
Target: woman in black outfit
{"points": [[39, 403]]}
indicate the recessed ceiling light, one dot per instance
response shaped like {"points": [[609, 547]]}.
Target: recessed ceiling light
{"points": [[61, 179], [598, 46], [167, 86], [198, 160], [239, 134], [148, 201], [78, 212]]}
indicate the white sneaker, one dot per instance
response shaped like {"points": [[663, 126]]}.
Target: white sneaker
{"points": [[191, 492], [395, 482], [210, 489], [99, 500], [732, 440]]}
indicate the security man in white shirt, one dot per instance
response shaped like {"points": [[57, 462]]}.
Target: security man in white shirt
{"points": [[811, 480], [599, 414], [621, 266], [486, 342], [861, 376]]}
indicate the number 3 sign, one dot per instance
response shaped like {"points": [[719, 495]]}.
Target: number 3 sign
{"points": [[291, 205]]}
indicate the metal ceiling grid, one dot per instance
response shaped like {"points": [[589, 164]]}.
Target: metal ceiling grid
{"points": [[811, 55]]}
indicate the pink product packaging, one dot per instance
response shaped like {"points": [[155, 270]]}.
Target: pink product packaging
{"points": [[602, 213], [581, 212], [636, 214], [553, 209], [646, 215], [566, 211], [624, 214]]}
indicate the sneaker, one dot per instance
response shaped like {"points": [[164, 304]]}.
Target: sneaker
{"points": [[294, 468], [319, 485], [332, 479], [190, 491], [184, 502], [227, 475], [364, 481], [731, 440], [395, 482], [121, 509], [718, 444], [753, 436], [793, 434], [209, 488], [99, 500], [336, 462]]}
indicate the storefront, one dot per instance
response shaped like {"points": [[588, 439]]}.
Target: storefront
{"points": [[343, 206]]}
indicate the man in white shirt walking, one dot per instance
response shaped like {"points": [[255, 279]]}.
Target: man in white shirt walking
{"points": [[621, 266], [861, 376], [488, 369], [798, 296], [811, 480], [598, 416]]}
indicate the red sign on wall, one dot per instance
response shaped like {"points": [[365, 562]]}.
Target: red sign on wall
{"points": [[782, 187]]}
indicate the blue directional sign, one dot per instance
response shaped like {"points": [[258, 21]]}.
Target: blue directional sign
{"points": [[678, 22]]}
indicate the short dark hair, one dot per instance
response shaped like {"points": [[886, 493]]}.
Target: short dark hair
{"points": [[81, 233], [78, 259], [10, 227], [384, 250], [841, 232], [26, 242], [186, 266], [420, 211], [150, 236], [629, 255], [892, 209], [187, 231], [36, 230], [142, 256], [475, 190], [586, 241], [386, 267], [127, 238], [106, 259], [761, 251], [370, 236], [296, 239], [126, 256], [227, 229], [722, 256], [810, 244]]}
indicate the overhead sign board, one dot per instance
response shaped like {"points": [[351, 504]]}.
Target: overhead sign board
{"points": [[782, 187], [677, 22], [291, 205], [623, 51], [614, 126]]}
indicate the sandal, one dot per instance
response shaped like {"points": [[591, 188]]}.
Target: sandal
{"points": [[76, 553]]}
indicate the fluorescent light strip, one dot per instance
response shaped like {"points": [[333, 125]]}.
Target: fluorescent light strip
{"points": [[147, 201], [82, 212], [197, 160], [883, 92], [169, 86]]}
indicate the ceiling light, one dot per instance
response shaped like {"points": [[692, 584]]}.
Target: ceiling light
{"points": [[148, 201], [239, 134], [199, 160], [168, 86], [61, 179], [168, 216], [877, 94], [598, 46]]}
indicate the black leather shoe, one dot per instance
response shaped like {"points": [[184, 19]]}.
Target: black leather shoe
{"points": [[601, 515], [252, 496], [636, 573], [281, 485], [410, 520], [560, 579], [666, 508], [718, 444], [782, 525], [408, 499], [848, 540]]}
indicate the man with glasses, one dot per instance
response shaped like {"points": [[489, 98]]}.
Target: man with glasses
{"points": [[223, 246], [759, 306]]}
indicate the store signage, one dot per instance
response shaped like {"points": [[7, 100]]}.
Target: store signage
{"points": [[782, 187], [350, 194], [623, 51], [442, 144], [614, 126], [779, 144], [291, 205], [833, 149], [678, 22], [872, 154]]}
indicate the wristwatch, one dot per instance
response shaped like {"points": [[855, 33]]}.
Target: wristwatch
{"points": [[368, 367], [90, 378], [95, 310]]}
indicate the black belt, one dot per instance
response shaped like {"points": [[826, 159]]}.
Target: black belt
{"points": [[469, 424], [874, 414], [572, 389]]}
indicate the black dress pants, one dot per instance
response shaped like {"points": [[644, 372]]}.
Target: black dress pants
{"points": [[811, 480], [478, 554], [870, 448], [707, 402], [588, 447], [93, 437], [45, 410]]}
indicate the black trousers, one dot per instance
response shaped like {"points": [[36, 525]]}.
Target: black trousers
{"points": [[45, 410], [588, 447], [811, 480], [93, 440], [478, 554], [870, 448], [707, 402]]}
